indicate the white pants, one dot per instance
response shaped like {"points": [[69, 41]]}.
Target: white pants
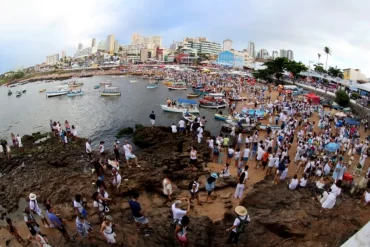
{"points": [[152, 121], [200, 138], [239, 191]]}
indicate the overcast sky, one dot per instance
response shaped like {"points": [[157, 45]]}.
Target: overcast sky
{"points": [[31, 30]]}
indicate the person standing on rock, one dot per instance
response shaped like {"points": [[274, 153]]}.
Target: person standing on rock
{"points": [[152, 118], [107, 229], [101, 151], [194, 188], [180, 231], [116, 149], [200, 133], [31, 223], [182, 126], [167, 189], [129, 155], [210, 185], [241, 183], [58, 224], [239, 225], [78, 206], [193, 157], [34, 207], [137, 212], [177, 212], [88, 148]]}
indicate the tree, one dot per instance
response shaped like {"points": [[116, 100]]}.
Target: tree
{"points": [[341, 98], [295, 68], [318, 58], [335, 72], [319, 68], [327, 52], [263, 74], [277, 66]]}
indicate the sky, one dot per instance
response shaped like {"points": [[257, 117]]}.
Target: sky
{"points": [[31, 30]]}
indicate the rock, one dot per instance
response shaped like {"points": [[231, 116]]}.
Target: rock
{"points": [[228, 205], [124, 131], [138, 126], [225, 195]]}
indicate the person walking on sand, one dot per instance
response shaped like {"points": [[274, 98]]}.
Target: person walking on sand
{"points": [[34, 207], [152, 118], [107, 229], [210, 185], [116, 149], [57, 223], [194, 188], [241, 183], [128, 154], [239, 225], [137, 212]]}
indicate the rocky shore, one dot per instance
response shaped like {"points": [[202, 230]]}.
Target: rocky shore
{"points": [[279, 217]]}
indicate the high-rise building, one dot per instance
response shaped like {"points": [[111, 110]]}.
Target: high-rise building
{"points": [[283, 53], [80, 46], [52, 59], [263, 54], [137, 39], [227, 45], [251, 49], [203, 46], [275, 54], [93, 43], [290, 55], [116, 46], [110, 44], [102, 45], [63, 54]]}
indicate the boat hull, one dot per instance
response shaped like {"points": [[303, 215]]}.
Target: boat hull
{"points": [[110, 94], [193, 110], [74, 94], [238, 99], [177, 88], [212, 106], [151, 87], [221, 117], [55, 94], [190, 96]]}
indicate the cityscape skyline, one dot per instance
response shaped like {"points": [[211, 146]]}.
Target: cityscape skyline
{"points": [[65, 28]]}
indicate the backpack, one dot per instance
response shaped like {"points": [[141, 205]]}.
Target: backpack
{"points": [[242, 225]]}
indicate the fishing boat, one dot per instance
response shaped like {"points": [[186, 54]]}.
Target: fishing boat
{"points": [[96, 86], [212, 104], [18, 94], [111, 91], [42, 90], [62, 90], [222, 117], [75, 93], [10, 92], [133, 81], [237, 99], [192, 95], [74, 84], [24, 90], [177, 86], [188, 116], [151, 86], [202, 91], [181, 105]]}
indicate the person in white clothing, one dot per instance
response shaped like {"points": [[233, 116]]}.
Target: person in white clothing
{"points": [[129, 155], [177, 212], [88, 148], [242, 219], [174, 128], [19, 140], [200, 134], [293, 182], [34, 207], [107, 229], [303, 181], [167, 189], [241, 183], [182, 125], [117, 179]]}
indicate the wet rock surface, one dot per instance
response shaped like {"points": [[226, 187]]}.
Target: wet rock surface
{"points": [[279, 217]]}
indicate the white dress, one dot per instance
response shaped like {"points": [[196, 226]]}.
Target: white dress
{"points": [[330, 201], [110, 234]]}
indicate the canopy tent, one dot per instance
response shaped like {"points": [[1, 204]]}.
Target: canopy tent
{"points": [[313, 98]]}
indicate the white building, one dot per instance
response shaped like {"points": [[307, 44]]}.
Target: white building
{"points": [[263, 54], [93, 43], [88, 51], [275, 54], [283, 53], [80, 46], [137, 39], [102, 45], [290, 55], [205, 47], [52, 59], [227, 45], [251, 49], [63, 54]]}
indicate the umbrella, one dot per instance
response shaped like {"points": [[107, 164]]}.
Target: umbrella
{"points": [[341, 114], [332, 147]]}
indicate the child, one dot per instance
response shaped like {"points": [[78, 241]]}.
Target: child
{"points": [[12, 230]]}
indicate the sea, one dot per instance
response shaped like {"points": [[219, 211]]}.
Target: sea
{"points": [[97, 118]]}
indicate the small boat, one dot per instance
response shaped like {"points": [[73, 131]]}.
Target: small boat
{"points": [[169, 81], [202, 91], [153, 82], [62, 83], [211, 104], [181, 105], [79, 84], [42, 90], [24, 90], [177, 86], [145, 76], [61, 91], [193, 95], [18, 94], [113, 76], [75, 93], [111, 91], [96, 86], [133, 81], [10, 92], [188, 116], [221, 117], [105, 84], [151, 86]]}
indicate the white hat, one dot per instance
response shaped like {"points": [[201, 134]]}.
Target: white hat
{"points": [[32, 196], [240, 210]]}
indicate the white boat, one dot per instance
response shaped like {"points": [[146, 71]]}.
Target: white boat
{"points": [[181, 106], [18, 94], [133, 81], [62, 90], [75, 93], [188, 116], [151, 86], [111, 91], [105, 84], [212, 105], [177, 86]]}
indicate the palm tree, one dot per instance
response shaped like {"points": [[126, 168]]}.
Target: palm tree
{"points": [[327, 52], [318, 58]]}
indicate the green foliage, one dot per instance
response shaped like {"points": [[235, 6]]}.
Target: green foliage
{"points": [[262, 74], [319, 68], [277, 66], [296, 68], [10, 78], [341, 98], [335, 72], [327, 52], [355, 95], [125, 131]]}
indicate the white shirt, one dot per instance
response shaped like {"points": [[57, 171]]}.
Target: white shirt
{"points": [[272, 160], [246, 153], [101, 148], [35, 207], [174, 128], [78, 206], [88, 147], [127, 149], [100, 205], [231, 151], [237, 221], [210, 143], [303, 182], [200, 131], [182, 123], [117, 179], [260, 153], [293, 184], [196, 187], [167, 186], [177, 212]]}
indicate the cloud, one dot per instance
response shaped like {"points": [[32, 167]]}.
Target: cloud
{"points": [[33, 29]]}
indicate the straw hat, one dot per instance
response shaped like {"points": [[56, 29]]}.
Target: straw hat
{"points": [[240, 210], [32, 196]]}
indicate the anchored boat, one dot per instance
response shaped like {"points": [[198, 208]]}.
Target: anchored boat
{"points": [[75, 93], [62, 90], [18, 94], [181, 105], [111, 91]]}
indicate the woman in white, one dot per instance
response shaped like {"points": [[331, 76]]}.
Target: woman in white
{"points": [[241, 183], [303, 181], [366, 197], [330, 200], [293, 182], [107, 229]]}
